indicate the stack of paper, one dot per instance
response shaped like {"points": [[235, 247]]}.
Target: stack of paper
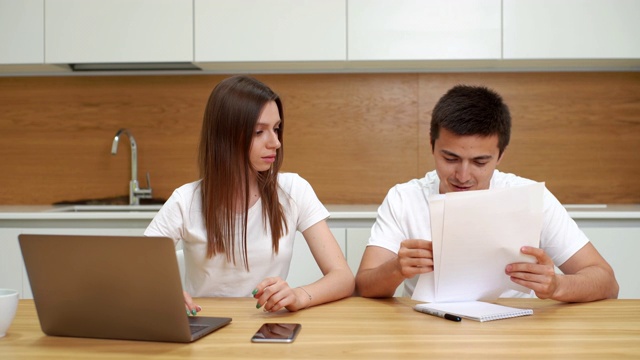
{"points": [[475, 236]]}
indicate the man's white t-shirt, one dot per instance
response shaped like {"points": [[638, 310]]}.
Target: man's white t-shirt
{"points": [[404, 214], [180, 218]]}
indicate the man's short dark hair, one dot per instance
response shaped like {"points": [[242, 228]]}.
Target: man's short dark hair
{"points": [[472, 110]]}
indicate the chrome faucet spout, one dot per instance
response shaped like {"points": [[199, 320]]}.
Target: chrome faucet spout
{"points": [[135, 192], [134, 151]]}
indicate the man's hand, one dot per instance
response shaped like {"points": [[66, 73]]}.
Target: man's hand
{"points": [[540, 277], [415, 257], [381, 270]]}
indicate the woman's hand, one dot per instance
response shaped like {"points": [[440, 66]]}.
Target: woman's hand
{"points": [[274, 294], [192, 308]]}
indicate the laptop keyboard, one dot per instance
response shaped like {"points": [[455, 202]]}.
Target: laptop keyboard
{"points": [[196, 328]]}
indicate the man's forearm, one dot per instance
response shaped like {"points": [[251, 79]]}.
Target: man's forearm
{"points": [[589, 284], [379, 282]]}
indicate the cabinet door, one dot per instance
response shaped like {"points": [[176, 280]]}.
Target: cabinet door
{"points": [[571, 29], [21, 32], [270, 30], [356, 243], [26, 287], [357, 240], [304, 269], [620, 246], [10, 260], [424, 29], [102, 31]]}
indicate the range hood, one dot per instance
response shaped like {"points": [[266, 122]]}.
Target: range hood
{"points": [[134, 66]]}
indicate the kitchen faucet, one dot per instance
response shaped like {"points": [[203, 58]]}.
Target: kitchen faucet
{"points": [[135, 192]]}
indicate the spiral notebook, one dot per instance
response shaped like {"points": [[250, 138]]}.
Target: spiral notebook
{"points": [[475, 310]]}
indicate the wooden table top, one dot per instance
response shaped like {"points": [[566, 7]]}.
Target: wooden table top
{"points": [[359, 328]]}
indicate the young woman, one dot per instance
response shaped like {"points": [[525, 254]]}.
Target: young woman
{"points": [[238, 222]]}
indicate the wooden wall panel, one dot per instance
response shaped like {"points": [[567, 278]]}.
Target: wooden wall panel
{"points": [[57, 132], [578, 132], [353, 136]]}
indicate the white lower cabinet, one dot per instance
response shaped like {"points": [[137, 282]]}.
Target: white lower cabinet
{"points": [[304, 269], [620, 247], [617, 242], [10, 260], [358, 240], [12, 271]]}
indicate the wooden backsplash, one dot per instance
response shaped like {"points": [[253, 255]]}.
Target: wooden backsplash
{"points": [[352, 136]]}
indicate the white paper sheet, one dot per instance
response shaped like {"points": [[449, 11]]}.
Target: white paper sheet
{"points": [[475, 235]]}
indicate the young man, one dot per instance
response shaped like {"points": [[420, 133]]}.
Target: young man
{"points": [[470, 130]]}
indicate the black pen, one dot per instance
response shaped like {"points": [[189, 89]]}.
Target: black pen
{"points": [[441, 314]]}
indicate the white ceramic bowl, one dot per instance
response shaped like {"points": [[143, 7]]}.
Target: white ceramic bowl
{"points": [[8, 307]]}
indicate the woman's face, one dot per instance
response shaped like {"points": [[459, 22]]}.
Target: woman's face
{"points": [[265, 141]]}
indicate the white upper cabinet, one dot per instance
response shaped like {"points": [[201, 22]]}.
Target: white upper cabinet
{"points": [[571, 29], [312, 34], [424, 29], [273, 30], [21, 31], [99, 31]]}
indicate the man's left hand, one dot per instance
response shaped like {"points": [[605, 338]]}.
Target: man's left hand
{"points": [[540, 276]]}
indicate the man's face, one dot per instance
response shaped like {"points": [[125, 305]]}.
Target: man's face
{"points": [[465, 162]]}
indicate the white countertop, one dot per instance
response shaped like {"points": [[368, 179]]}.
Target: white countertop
{"points": [[48, 212]]}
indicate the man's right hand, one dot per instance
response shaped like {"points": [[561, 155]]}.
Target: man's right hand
{"points": [[415, 257], [382, 271]]}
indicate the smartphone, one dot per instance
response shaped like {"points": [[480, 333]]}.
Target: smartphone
{"points": [[276, 333]]}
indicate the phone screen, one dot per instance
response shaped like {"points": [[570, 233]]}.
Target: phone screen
{"points": [[276, 332]]}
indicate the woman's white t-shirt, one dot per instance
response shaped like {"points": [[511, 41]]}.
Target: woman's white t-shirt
{"points": [[180, 218]]}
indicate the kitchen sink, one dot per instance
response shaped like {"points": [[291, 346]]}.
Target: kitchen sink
{"points": [[110, 204], [111, 201], [106, 208]]}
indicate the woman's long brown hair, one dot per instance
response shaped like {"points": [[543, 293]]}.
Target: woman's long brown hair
{"points": [[230, 117]]}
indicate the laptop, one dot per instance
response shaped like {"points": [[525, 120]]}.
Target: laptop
{"points": [[110, 287]]}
